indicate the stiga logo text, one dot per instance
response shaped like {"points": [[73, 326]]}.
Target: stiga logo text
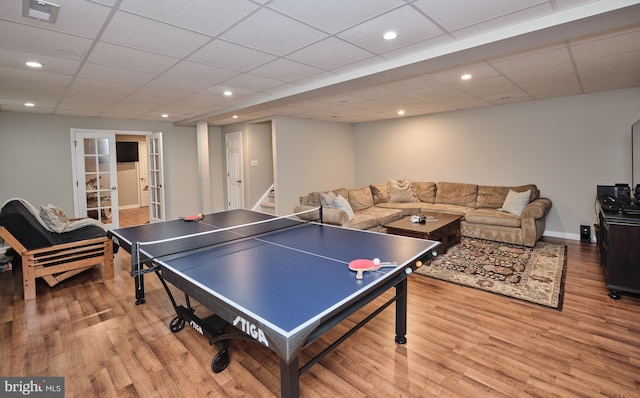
{"points": [[250, 329], [50, 387]]}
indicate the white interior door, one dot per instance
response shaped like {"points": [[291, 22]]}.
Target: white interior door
{"points": [[96, 176], [235, 187], [156, 177]]}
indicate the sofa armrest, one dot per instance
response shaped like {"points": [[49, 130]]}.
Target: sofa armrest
{"points": [[329, 215], [536, 209]]}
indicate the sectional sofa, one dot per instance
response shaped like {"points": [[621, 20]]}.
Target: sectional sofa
{"points": [[511, 214]]}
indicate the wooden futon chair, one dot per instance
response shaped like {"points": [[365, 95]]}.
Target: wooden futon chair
{"points": [[53, 250]]}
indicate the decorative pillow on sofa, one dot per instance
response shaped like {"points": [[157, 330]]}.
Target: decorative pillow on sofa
{"points": [[326, 199], [380, 192], [515, 202], [493, 196], [54, 217], [360, 199], [401, 191], [341, 203]]}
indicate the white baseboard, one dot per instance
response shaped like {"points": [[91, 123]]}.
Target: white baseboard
{"points": [[566, 235]]}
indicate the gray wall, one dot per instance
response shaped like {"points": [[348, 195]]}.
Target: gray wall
{"points": [[310, 155], [565, 145], [35, 159]]}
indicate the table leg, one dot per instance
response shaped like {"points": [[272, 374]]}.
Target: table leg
{"points": [[401, 312], [289, 379], [139, 283]]}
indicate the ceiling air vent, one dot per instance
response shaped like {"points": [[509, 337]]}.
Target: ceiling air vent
{"points": [[40, 10]]}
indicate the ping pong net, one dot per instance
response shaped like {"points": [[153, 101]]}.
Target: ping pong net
{"points": [[208, 235]]}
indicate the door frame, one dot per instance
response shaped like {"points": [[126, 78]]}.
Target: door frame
{"points": [[77, 194]]}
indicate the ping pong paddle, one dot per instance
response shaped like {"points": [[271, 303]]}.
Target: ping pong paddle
{"points": [[195, 217], [362, 264]]}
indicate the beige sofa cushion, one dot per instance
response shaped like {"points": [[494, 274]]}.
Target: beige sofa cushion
{"points": [[493, 197], [401, 191], [374, 216], [425, 191], [360, 199], [457, 194], [380, 192], [492, 217]]}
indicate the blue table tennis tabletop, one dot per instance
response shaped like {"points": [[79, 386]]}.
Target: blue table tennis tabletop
{"points": [[283, 283]]}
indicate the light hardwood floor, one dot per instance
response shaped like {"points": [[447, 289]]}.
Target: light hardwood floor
{"points": [[461, 343]]}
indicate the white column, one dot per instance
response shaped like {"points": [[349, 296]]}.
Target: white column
{"points": [[204, 183]]}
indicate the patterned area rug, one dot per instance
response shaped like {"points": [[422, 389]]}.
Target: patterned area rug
{"points": [[531, 274]]}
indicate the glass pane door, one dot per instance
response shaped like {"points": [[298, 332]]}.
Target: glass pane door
{"points": [[156, 177], [97, 176]]}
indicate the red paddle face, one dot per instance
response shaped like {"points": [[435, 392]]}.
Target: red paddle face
{"points": [[361, 265]]}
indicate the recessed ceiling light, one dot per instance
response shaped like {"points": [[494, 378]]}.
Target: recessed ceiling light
{"points": [[228, 93], [390, 35], [29, 104], [466, 76], [164, 115], [400, 112], [235, 116], [33, 64]]}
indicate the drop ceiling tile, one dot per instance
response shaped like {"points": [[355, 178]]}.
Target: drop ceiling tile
{"points": [[452, 76], [99, 89], [285, 70], [556, 55], [16, 59], [145, 34], [129, 58], [200, 72], [113, 74], [272, 33], [614, 43], [411, 26], [251, 82], [330, 53], [20, 90], [34, 77], [469, 13], [210, 17], [181, 86], [505, 22], [155, 95], [230, 56], [610, 62], [492, 87], [532, 77], [36, 40], [334, 15]]}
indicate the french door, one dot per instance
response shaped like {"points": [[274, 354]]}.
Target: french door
{"points": [[156, 177], [96, 178]]}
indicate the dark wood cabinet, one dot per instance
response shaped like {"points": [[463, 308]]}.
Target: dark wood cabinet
{"points": [[619, 249]]}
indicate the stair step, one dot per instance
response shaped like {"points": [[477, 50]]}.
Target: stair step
{"points": [[268, 207]]}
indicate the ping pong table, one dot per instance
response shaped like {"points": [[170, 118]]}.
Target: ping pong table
{"points": [[276, 280]]}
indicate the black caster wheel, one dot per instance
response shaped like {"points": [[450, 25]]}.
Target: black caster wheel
{"points": [[176, 324], [220, 361]]}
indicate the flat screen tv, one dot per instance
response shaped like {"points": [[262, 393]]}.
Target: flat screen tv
{"points": [[126, 152]]}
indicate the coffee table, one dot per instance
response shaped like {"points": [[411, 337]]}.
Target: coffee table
{"points": [[444, 227]]}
